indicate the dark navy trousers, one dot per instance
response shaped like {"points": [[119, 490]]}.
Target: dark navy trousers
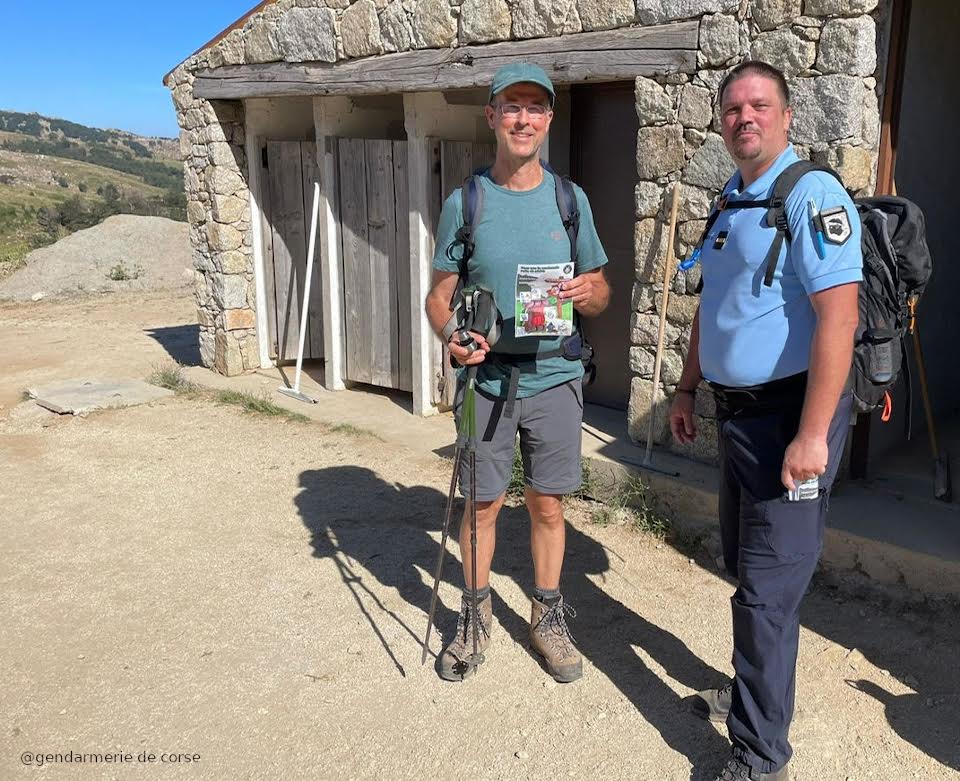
{"points": [[771, 546]]}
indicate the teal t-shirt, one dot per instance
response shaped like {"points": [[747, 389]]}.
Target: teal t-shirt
{"points": [[519, 228]]}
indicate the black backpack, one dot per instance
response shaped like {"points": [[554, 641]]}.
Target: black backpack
{"points": [[574, 347], [896, 269]]}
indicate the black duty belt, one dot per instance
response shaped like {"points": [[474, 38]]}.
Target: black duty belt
{"points": [[767, 396]]}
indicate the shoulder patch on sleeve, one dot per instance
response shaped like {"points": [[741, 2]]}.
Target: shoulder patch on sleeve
{"points": [[836, 225]]}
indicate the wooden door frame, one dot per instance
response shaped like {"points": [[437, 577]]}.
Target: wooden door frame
{"points": [[257, 201], [886, 168], [893, 94], [577, 119]]}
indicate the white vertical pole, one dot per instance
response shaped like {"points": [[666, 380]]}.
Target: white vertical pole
{"points": [[306, 298], [306, 288], [256, 185], [421, 253]]}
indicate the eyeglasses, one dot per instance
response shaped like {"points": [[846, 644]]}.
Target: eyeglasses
{"points": [[513, 110]]}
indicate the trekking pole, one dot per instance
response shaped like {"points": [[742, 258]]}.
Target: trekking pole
{"points": [[942, 484], [457, 458], [466, 440], [667, 270], [463, 439], [478, 308], [470, 411]]}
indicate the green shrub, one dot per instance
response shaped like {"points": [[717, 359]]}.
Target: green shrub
{"points": [[120, 273]]}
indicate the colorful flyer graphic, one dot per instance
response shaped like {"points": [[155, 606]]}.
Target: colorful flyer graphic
{"points": [[539, 309]]}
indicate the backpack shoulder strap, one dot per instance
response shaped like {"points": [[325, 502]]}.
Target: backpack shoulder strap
{"points": [[569, 215], [471, 206], [471, 202], [688, 263], [567, 206], [777, 211]]}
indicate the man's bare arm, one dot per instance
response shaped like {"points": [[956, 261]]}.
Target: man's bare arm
{"points": [[830, 355]]}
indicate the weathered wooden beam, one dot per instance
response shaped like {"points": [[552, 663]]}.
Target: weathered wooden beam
{"points": [[601, 56]]}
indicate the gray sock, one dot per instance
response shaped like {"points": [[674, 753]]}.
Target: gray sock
{"points": [[549, 596], [482, 593]]}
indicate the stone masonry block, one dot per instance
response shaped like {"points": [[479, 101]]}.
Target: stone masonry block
{"points": [[659, 150]]}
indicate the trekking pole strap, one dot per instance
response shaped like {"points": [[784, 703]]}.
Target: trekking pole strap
{"points": [[474, 310]]}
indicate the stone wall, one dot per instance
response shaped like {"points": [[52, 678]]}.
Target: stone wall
{"points": [[218, 209], [828, 48]]}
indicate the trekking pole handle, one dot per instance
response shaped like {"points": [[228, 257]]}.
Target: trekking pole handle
{"points": [[467, 342]]}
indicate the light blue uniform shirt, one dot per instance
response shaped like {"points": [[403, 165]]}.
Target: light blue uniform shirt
{"points": [[750, 333]]}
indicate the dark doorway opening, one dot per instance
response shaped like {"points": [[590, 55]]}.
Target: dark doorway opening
{"points": [[603, 141], [920, 161]]}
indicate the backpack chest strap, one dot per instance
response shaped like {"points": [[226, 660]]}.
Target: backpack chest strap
{"points": [[776, 214], [724, 204]]}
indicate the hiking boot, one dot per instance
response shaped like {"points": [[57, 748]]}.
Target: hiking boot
{"points": [[551, 639], [737, 771], [454, 665], [713, 704]]}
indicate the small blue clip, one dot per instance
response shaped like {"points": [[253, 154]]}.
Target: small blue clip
{"points": [[688, 263], [817, 229]]}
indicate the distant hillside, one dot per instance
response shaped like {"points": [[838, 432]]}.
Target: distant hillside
{"points": [[58, 176], [49, 128]]}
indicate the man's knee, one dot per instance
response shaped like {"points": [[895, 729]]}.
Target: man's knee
{"points": [[544, 509], [487, 512]]}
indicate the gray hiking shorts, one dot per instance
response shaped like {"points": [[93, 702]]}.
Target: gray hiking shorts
{"points": [[549, 427]]}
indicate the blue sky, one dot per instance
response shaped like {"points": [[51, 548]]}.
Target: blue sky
{"points": [[101, 62]]}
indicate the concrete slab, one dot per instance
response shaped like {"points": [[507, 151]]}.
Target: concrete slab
{"points": [[685, 489], [80, 396]]}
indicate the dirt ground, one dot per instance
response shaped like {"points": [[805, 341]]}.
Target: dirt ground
{"points": [[187, 578]]}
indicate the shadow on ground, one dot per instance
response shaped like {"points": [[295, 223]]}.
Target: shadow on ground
{"points": [[390, 539], [182, 342], [917, 644]]}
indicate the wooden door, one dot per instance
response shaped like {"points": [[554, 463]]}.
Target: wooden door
{"points": [[375, 251], [287, 203]]}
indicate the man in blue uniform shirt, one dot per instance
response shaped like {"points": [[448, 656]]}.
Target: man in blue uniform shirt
{"points": [[776, 352]]}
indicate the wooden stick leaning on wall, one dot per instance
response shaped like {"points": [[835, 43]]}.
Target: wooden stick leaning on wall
{"points": [[668, 265], [942, 480]]}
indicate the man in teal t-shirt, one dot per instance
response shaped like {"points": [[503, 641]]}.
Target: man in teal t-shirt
{"points": [[523, 255]]}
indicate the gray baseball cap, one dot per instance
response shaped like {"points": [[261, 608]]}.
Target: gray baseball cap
{"points": [[521, 72]]}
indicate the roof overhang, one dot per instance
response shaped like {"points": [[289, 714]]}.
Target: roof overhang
{"points": [[598, 56]]}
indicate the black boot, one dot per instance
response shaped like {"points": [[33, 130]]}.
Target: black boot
{"points": [[737, 771], [713, 704]]}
